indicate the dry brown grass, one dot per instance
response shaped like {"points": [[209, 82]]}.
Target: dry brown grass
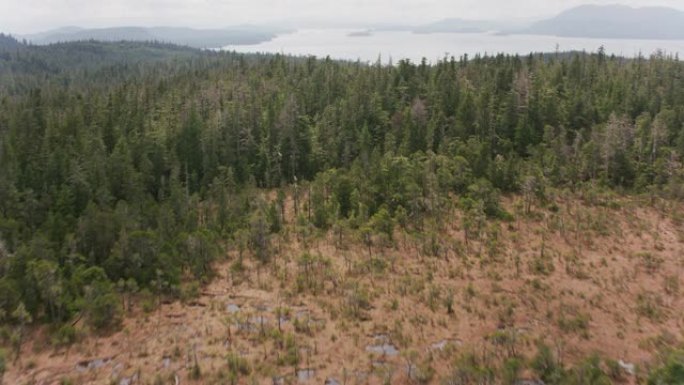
{"points": [[585, 277]]}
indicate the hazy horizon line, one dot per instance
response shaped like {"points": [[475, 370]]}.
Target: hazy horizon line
{"points": [[320, 21]]}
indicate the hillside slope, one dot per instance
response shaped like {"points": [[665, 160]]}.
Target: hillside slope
{"points": [[172, 213], [198, 38], [614, 21], [594, 275]]}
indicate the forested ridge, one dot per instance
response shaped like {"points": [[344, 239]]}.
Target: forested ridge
{"points": [[128, 167]]}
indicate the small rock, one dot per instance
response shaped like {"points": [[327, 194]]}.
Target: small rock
{"points": [[304, 375], [627, 367], [92, 364], [384, 349], [129, 380], [442, 344], [117, 369], [259, 320]]}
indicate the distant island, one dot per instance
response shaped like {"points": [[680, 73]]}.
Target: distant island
{"points": [[197, 38], [589, 21], [586, 21], [614, 21], [363, 33]]}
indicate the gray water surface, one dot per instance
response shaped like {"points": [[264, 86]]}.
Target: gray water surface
{"points": [[338, 44]]}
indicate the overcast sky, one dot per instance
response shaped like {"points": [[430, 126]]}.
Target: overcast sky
{"points": [[25, 16]]}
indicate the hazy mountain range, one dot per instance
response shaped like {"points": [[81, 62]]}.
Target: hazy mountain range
{"points": [[199, 38], [591, 21], [615, 21]]}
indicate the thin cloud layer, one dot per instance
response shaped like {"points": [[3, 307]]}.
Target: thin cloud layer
{"points": [[25, 16]]}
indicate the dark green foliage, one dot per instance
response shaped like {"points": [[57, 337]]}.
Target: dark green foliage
{"points": [[546, 366], [670, 372], [470, 369], [383, 223], [8, 42], [64, 336], [3, 364], [132, 162], [590, 371], [100, 303], [511, 370], [259, 236], [237, 367]]}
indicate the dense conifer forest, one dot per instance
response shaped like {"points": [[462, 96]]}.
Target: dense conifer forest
{"points": [[130, 168]]}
